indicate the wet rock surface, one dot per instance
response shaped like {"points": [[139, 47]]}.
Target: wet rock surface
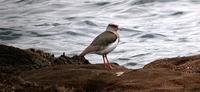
{"points": [[37, 71]]}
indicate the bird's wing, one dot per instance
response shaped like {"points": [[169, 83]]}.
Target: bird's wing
{"points": [[104, 39]]}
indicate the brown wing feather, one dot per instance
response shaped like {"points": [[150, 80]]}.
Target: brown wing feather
{"points": [[104, 39]]}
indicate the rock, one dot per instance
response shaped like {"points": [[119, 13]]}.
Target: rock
{"points": [[15, 60], [70, 60], [39, 71], [190, 64], [89, 78]]}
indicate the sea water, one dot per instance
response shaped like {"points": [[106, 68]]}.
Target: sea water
{"points": [[150, 29]]}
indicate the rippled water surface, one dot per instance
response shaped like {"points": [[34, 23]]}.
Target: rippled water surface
{"points": [[150, 29]]}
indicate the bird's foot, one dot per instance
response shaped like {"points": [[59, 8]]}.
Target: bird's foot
{"points": [[108, 66], [114, 67], [111, 67]]}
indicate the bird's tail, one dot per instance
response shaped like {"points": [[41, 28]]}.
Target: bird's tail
{"points": [[89, 49], [82, 54]]}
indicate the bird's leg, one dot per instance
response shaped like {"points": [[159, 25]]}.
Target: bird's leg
{"points": [[104, 62], [109, 65]]}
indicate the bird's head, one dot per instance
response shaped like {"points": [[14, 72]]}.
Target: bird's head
{"points": [[112, 27]]}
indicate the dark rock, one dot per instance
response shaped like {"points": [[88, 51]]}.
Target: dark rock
{"points": [[190, 64], [70, 60], [15, 60], [75, 74]]}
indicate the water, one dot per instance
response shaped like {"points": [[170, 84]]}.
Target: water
{"points": [[150, 29]]}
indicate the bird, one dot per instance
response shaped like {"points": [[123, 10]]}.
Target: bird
{"points": [[104, 43]]}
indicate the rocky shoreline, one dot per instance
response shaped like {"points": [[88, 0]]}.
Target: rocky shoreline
{"points": [[33, 70]]}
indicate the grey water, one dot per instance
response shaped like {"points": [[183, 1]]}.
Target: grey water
{"points": [[150, 29]]}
